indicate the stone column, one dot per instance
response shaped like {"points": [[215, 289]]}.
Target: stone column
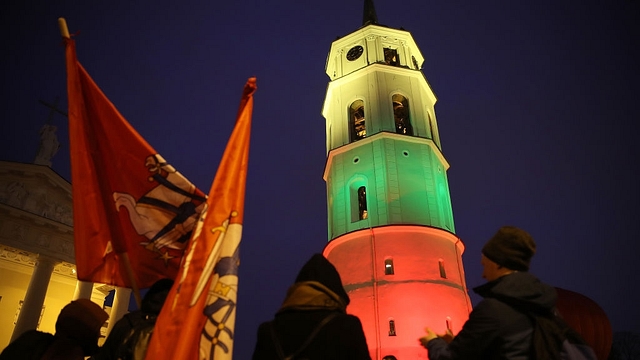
{"points": [[34, 298], [120, 306], [84, 290]]}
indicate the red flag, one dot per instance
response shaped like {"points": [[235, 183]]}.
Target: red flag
{"points": [[127, 200], [197, 320]]}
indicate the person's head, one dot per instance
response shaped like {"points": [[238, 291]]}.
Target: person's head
{"points": [[80, 321], [509, 250], [155, 297], [319, 269]]}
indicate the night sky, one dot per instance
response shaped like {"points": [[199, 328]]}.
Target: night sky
{"points": [[536, 106]]}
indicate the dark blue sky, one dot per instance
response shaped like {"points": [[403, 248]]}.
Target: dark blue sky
{"points": [[536, 106]]}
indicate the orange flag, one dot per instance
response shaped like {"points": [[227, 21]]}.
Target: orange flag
{"points": [[128, 202], [197, 320]]}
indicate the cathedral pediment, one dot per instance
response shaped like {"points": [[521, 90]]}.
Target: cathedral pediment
{"points": [[36, 210]]}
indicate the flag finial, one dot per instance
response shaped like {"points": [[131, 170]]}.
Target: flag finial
{"points": [[64, 30]]}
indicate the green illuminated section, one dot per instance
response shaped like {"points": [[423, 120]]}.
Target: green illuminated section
{"points": [[384, 158], [405, 181]]}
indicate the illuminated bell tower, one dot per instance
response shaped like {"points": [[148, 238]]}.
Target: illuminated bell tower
{"points": [[391, 232]]}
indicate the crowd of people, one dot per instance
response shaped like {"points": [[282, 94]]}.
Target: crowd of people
{"points": [[516, 319]]}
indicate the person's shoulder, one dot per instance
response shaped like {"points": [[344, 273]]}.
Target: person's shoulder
{"points": [[490, 304], [264, 327], [491, 307], [30, 345], [132, 318], [346, 320], [34, 338], [36, 335], [350, 317]]}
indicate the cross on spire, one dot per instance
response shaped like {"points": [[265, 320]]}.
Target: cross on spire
{"points": [[54, 109]]}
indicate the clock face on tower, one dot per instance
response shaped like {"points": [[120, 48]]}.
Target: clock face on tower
{"points": [[354, 52]]}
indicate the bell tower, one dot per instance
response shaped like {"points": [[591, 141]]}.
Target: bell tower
{"points": [[390, 224]]}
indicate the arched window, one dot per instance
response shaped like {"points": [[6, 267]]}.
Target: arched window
{"points": [[392, 328], [401, 115], [362, 203], [388, 267], [358, 129], [357, 189]]}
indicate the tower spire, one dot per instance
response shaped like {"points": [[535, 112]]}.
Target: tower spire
{"points": [[370, 16]]}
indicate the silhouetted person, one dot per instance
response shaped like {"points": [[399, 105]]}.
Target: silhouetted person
{"points": [[77, 332], [312, 322], [515, 303], [114, 346]]}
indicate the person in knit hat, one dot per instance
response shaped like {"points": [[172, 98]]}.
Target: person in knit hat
{"points": [[510, 248], [77, 333], [78, 326], [499, 327]]}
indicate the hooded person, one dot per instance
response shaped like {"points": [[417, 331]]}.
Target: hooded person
{"points": [[77, 333], [312, 322], [499, 326]]}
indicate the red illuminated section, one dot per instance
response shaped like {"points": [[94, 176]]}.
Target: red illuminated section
{"points": [[401, 278]]}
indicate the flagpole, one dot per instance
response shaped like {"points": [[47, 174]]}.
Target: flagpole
{"points": [[64, 31], [131, 276]]}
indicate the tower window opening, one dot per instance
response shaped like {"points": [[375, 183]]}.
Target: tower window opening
{"points": [[391, 57], [392, 328], [388, 267], [401, 115], [357, 121], [362, 203], [443, 273]]}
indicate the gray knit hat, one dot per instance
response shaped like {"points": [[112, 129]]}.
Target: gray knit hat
{"points": [[510, 247]]}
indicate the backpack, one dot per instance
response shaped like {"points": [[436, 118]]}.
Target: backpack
{"points": [[554, 339], [304, 345], [134, 346]]}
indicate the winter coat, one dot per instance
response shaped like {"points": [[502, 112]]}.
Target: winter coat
{"points": [[150, 307], [495, 328], [31, 345], [316, 294]]}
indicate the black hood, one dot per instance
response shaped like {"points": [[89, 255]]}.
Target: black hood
{"points": [[155, 297], [319, 269], [522, 290]]}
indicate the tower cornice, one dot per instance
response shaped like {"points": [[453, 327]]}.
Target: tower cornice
{"points": [[379, 68], [378, 137], [372, 39]]}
